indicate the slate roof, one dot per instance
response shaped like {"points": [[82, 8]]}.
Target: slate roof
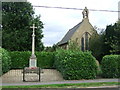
{"points": [[69, 34]]}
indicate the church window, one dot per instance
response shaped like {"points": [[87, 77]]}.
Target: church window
{"points": [[82, 44], [86, 41]]}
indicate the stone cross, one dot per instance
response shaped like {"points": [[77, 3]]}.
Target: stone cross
{"points": [[32, 62]]}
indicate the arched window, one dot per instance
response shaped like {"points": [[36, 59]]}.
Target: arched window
{"points": [[86, 41], [82, 43]]}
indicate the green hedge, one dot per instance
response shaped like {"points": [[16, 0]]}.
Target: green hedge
{"points": [[5, 60], [110, 67], [21, 59], [45, 59], [76, 65]]}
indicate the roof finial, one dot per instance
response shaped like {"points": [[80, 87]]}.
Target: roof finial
{"points": [[85, 13]]}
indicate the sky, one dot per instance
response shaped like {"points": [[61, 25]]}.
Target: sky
{"points": [[57, 22]]}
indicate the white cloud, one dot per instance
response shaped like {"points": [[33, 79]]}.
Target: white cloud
{"points": [[58, 21]]}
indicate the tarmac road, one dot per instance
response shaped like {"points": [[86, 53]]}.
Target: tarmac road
{"points": [[60, 82], [108, 88]]}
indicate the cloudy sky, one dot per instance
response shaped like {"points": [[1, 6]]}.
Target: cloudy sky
{"points": [[58, 21]]}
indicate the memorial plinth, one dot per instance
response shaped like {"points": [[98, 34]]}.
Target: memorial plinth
{"points": [[32, 61], [30, 72]]}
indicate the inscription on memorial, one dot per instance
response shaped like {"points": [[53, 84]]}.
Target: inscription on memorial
{"points": [[32, 63]]}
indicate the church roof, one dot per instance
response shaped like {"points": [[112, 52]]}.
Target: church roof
{"points": [[69, 34]]}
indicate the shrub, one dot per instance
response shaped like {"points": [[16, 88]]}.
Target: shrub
{"points": [[5, 61], [21, 59], [76, 64], [110, 67]]}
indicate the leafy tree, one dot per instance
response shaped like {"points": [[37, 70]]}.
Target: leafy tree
{"points": [[96, 46], [112, 37], [17, 17], [107, 42], [51, 48]]}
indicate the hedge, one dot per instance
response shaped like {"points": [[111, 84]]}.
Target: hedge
{"points": [[110, 67], [75, 65], [21, 59], [45, 59], [5, 60]]}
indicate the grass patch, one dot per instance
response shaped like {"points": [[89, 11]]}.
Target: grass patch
{"points": [[76, 85]]}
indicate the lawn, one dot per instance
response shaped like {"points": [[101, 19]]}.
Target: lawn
{"points": [[77, 85]]}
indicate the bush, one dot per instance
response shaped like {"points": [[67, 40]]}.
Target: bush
{"points": [[110, 67], [76, 64], [5, 61], [21, 59]]}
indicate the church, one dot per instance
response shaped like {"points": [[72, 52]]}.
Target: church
{"points": [[80, 33]]}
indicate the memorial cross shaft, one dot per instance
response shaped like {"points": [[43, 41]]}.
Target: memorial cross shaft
{"points": [[33, 39], [32, 62]]}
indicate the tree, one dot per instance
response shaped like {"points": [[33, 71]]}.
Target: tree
{"points": [[17, 17], [96, 45], [51, 48], [112, 38], [107, 42]]}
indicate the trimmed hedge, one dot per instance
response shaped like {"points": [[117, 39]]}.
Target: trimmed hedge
{"points": [[75, 65], [5, 60], [45, 59], [21, 59], [110, 67]]}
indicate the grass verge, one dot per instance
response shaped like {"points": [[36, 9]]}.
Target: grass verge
{"points": [[76, 85]]}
